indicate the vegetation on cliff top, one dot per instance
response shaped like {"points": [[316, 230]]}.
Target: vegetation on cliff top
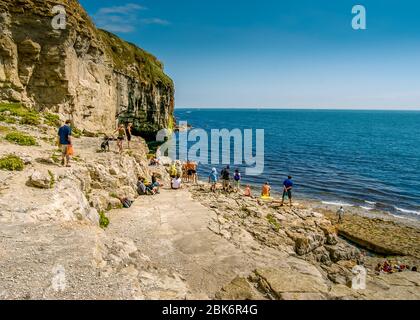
{"points": [[127, 56]]}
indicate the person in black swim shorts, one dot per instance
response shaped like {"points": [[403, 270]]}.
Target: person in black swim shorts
{"points": [[287, 189]]}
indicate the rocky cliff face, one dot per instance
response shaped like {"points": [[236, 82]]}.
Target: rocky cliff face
{"points": [[81, 72]]}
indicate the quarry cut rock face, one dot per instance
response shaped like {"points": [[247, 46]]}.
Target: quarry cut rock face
{"points": [[86, 74]]}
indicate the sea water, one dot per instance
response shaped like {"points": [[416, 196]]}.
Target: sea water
{"points": [[369, 159]]}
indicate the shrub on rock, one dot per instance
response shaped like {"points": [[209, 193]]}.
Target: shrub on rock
{"points": [[20, 139], [103, 220], [11, 163]]}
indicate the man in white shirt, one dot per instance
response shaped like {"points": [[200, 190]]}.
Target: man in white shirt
{"points": [[340, 214], [176, 182]]}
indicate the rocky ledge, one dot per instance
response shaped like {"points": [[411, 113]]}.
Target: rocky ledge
{"points": [[185, 244], [313, 235]]}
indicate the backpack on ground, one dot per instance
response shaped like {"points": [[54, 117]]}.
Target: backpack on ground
{"points": [[126, 203]]}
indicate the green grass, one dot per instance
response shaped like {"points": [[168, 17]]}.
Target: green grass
{"points": [[15, 109], [103, 220], [7, 119], [28, 117], [11, 163], [31, 119], [273, 221], [20, 139], [113, 195], [51, 119]]}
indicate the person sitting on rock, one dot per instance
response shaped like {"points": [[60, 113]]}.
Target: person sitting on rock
{"points": [[176, 183], [142, 189], [266, 190], [156, 185], [154, 161], [248, 192], [173, 170]]}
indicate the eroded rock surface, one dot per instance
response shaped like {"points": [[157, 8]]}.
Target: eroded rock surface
{"points": [[81, 72]]}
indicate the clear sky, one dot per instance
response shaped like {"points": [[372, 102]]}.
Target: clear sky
{"points": [[275, 53]]}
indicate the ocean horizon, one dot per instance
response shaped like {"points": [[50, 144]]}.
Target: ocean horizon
{"points": [[352, 157]]}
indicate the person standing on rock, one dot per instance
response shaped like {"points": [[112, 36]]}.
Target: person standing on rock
{"points": [[121, 137], [213, 179], [340, 214], [129, 133], [64, 134], [237, 178], [226, 178], [287, 190]]}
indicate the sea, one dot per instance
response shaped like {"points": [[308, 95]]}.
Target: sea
{"points": [[369, 159]]}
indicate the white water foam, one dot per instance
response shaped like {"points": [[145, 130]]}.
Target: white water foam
{"points": [[342, 204], [366, 208], [370, 202], [408, 211]]}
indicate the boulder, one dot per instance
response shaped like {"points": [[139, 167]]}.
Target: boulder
{"points": [[239, 289], [306, 242], [343, 251], [41, 180], [288, 284]]}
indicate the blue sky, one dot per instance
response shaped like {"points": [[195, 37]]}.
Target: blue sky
{"points": [[274, 53]]}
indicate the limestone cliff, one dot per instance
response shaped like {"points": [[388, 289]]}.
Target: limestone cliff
{"points": [[80, 72]]}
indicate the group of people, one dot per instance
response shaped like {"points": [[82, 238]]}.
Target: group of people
{"points": [[124, 133], [287, 190], [144, 187], [389, 267], [65, 141], [226, 177], [182, 172]]}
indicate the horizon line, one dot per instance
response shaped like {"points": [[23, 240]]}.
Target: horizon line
{"points": [[303, 108], [306, 108]]}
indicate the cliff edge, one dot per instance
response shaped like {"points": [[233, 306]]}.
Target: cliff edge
{"points": [[81, 72]]}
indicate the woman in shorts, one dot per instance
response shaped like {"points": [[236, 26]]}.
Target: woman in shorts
{"points": [[121, 137]]}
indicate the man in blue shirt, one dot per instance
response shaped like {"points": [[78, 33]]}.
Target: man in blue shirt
{"points": [[287, 189], [64, 134]]}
